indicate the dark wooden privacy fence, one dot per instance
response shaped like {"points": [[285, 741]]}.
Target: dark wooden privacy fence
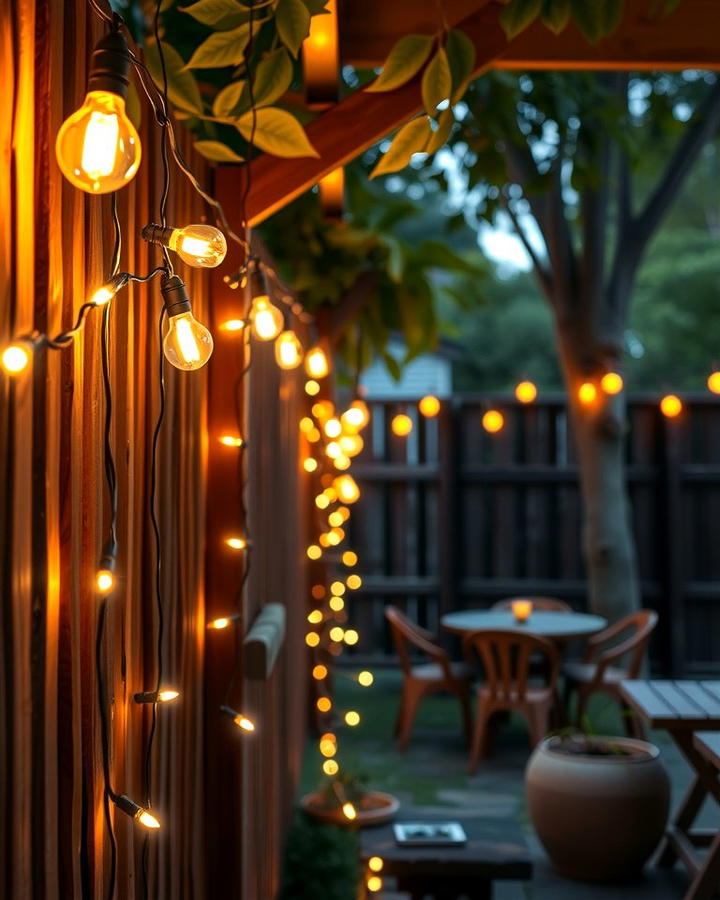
{"points": [[453, 517]]}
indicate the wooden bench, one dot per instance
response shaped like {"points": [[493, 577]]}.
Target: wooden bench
{"points": [[495, 850]]}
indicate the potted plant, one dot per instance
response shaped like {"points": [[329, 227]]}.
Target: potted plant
{"points": [[345, 800], [599, 805]]}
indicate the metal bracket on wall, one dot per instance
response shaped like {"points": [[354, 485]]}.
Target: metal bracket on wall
{"points": [[263, 642]]}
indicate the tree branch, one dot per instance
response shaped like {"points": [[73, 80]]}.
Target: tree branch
{"points": [[332, 321], [542, 275]]}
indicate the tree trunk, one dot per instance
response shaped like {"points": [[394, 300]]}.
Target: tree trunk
{"points": [[599, 430]]}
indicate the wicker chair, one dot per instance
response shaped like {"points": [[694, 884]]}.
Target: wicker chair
{"points": [[419, 680], [541, 604], [506, 658]]}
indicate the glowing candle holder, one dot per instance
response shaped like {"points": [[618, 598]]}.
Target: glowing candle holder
{"points": [[521, 610]]}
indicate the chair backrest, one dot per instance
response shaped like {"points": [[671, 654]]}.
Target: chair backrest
{"points": [[542, 604], [506, 657], [406, 633], [641, 624]]}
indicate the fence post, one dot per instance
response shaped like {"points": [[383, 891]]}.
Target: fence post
{"points": [[448, 507], [675, 620]]}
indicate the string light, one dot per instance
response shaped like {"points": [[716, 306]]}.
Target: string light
{"points": [[202, 246], [237, 543], [526, 392], [187, 344], [349, 811], [338, 588], [312, 388], [374, 883], [319, 672], [330, 767], [104, 581], [165, 695], [493, 421], [337, 634], [611, 383], [317, 364], [351, 444], [353, 582], [587, 393], [333, 428], [336, 603], [671, 406], [107, 291], [312, 639], [288, 350], [352, 718], [349, 558], [242, 722], [97, 148], [324, 704], [310, 464], [365, 678], [136, 812], [16, 357], [323, 410], [401, 425], [328, 748], [223, 622], [266, 320], [375, 864], [429, 406], [105, 575], [315, 616], [347, 488], [351, 637], [713, 382], [314, 552], [229, 440], [233, 325]]}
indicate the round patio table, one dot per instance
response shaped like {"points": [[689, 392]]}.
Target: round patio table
{"points": [[558, 626]]}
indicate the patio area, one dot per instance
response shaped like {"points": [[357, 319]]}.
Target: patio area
{"points": [[431, 777]]}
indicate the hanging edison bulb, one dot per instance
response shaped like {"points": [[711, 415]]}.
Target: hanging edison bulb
{"points": [[202, 246], [187, 345], [266, 320], [288, 350], [317, 364], [97, 148]]}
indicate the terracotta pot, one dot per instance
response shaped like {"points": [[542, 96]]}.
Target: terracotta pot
{"points": [[598, 817], [377, 808]]}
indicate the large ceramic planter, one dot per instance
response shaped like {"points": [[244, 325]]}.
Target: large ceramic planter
{"points": [[598, 817], [376, 808]]}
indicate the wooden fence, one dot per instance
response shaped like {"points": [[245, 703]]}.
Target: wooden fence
{"points": [[453, 517]]}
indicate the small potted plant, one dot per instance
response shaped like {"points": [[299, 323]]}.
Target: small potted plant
{"points": [[599, 805], [345, 799]]}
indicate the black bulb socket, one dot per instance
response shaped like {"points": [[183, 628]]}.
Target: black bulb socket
{"points": [[175, 295], [110, 65], [157, 234]]}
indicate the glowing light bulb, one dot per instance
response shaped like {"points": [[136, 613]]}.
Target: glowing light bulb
{"points": [[333, 450], [229, 440], [314, 552], [242, 721], [493, 421], [365, 678], [312, 388], [335, 519], [223, 622], [312, 639], [526, 392], [401, 425], [322, 502], [330, 767], [611, 383], [375, 864], [713, 382], [671, 406], [352, 718], [136, 812], [107, 291], [315, 616], [374, 883], [233, 325], [201, 246], [187, 344], [429, 406], [333, 428], [236, 543], [336, 604], [587, 393], [341, 462], [337, 633], [319, 672], [288, 350], [306, 424], [323, 410], [328, 748], [310, 464], [316, 363], [338, 588], [349, 558], [166, 695], [266, 319], [357, 416], [351, 444], [347, 488], [351, 637], [16, 357], [324, 704], [353, 582], [104, 581], [349, 811]]}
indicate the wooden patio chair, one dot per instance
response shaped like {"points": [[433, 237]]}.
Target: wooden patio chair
{"points": [[422, 679], [506, 657], [596, 672], [541, 604]]}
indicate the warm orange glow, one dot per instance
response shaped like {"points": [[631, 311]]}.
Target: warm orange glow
{"points": [[341, 462], [353, 582], [310, 464], [229, 440], [318, 591], [611, 383], [314, 552], [521, 609], [236, 543], [349, 811], [349, 558], [587, 393], [244, 723], [306, 424], [317, 364], [233, 325], [365, 678], [312, 388], [375, 864], [401, 425], [323, 410], [312, 639], [313, 435], [315, 616], [493, 421], [323, 540], [328, 748], [288, 350], [335, 519], [332, 188], [713, 382], [526, 392], [104, 581], [337, 633], [319, 672], [336, 604], [321, 59], [330, 767], [333, 428], [429, 406], [147, 820], [322, 502], [15, 359], [347, 488], [352, 718], [336, 536], [266, 319], [337, 587], [374, 883], [351, 444], [219, 623], [324, 704], [671, 406], [351, 637]]}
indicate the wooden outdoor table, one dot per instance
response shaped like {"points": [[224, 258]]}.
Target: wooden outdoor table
{"points": [[495, 850], [558, 626], [683, 708]]}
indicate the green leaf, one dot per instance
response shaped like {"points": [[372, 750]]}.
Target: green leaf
{"points": [[556, 15], [393, 366], [412, 138], [183, 90], [436, 82], [276, 132], [218, 14], [442, 132], [317, 7], [228, 99], [292, 20], [518, 14], [224, 48], [217, 152], [272, 77], [395, 258], [589, 17], [612, 15], [438, 255], [405, 60], [461, 58]]}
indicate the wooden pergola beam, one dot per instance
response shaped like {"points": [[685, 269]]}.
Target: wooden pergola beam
{"points": [[683, 39]]}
